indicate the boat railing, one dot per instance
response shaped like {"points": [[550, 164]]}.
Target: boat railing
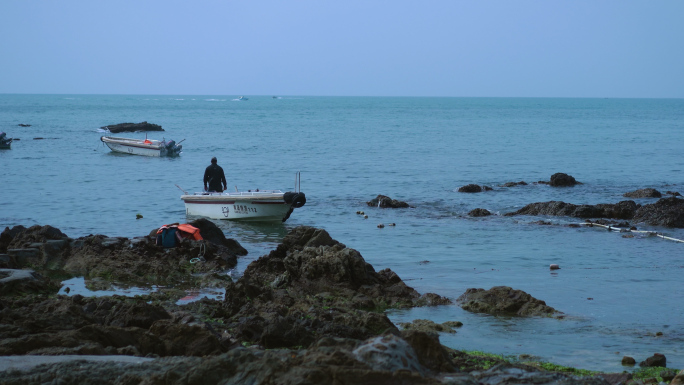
{"points": [[240, 193]]}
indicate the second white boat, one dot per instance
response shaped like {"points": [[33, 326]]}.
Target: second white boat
{"points": [[144, 147]]}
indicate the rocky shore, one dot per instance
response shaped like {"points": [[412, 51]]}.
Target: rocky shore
{"points": [[309, 312]]}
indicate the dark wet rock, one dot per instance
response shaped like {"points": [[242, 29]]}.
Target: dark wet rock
{"points": [[656, 359], [628, 361], [430, 353], [135, 261], [479, 213], [668, 212], [560, 179], [8, 235], [503, 300], [383, 201], [141, 261], [384, 360], [98, 326], [132, 127], [667, 375], [620, 210], [21, 237], [616, 378], [310, 286], [212, 233], [470, 188], [22, 282], [514, 184], [643, 193], [509, 374], [678, 379], [428, 326]]}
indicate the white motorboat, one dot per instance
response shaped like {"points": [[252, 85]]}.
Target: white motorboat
{"points": [[251, 205], [144, 147], [243, 98]]}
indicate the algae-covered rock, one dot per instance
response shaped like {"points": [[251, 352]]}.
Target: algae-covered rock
{"points": [[503, 300]]}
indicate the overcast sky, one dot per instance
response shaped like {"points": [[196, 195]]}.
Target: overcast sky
{"points": [[547, 48]]}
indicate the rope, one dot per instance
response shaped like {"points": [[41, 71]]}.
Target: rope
{"points": [[624, 230], [200, 255]]}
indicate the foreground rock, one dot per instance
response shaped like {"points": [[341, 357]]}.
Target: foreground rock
{"points": [[137, 261], [313, 286], [388, 359], [21, 282], [310, 287], [132, 127], [383, 201], [310, 312], [503, 300]]}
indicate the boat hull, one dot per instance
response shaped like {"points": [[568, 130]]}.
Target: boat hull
{"points": [[248, 206], [139, 147]]}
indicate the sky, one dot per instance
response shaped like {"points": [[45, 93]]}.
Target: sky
{"points": [[452, 48]]}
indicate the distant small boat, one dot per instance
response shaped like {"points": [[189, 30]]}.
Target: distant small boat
{"points": [[5, 142], [242, 98], [144, 147]]}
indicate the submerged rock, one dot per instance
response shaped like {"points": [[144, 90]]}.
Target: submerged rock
{"points": [[514, 184], [383, 201], [668, 212], [503, 300], [470, 188], [560, 179], [479, 213], [132, 127], [643, 193], [620, 210], [656, 360]]}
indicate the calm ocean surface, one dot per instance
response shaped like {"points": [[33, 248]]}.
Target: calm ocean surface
{"points": [[419, 150]]}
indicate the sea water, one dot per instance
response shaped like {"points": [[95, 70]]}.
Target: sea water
{"points": [[617, 293]]}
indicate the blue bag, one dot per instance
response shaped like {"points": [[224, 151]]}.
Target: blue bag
{"points": [[168, 236]]}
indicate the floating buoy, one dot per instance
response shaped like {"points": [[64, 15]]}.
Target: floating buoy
{"points": [[553, 266]]}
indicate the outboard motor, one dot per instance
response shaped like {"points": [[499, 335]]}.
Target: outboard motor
{"points": [[2, 136], [170, 144]]}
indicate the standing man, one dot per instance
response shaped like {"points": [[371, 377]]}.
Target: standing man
{"points": [[213, 176]]}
